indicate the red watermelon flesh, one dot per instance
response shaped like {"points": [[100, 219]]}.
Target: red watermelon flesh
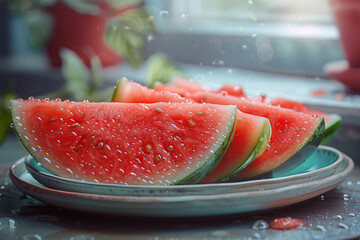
{"points": [[291, 130], [125, 143], [251, 137]]}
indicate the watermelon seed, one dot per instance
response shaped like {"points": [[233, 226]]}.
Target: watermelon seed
{"points": [[74, 125], [148, 148], [99, 145], [157, 159], [91, 138], [191, 123], [77, 148], [159, 110], [201, 113]]}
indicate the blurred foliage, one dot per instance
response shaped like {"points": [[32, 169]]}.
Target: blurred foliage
{"points": [[5, 114], [126, 34], [81, 83], [161, 68]]}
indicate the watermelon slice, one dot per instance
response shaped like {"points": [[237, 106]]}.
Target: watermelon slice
{"points": [[252, 133], [291, 131], [125, 143], [184, 86], [332, 121]]}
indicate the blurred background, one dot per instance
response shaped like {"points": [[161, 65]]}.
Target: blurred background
{"points": [[78, 49]]}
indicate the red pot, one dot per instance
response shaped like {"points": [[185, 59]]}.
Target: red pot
{"points": [[347, 17], [82, 33]]}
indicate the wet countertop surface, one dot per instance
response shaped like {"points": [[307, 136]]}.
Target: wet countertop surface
{"points": [[333, 215]]}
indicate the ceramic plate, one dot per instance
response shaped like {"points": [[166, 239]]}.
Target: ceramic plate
{"points": [[323, 163], [255, 196]]}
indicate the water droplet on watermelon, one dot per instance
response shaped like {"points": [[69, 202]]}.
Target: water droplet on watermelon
{"points": [[224, 93], [159, 110], [86, 101], [46, 159], [11, 125], [260, 225], [268, 146], [70, 171]]}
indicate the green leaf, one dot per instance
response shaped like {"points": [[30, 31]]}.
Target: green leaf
{"points": [[5, 113], [129, 44], [138, 20], [75, 74], [161, 68], [83, 6], [39, 27], [96, 73], [126, 35]]}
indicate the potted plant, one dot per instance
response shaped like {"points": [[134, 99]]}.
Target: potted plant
{"points": [[108, 29]]}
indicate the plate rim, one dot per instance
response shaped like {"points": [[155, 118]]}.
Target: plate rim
{"points": [[32, 169]]}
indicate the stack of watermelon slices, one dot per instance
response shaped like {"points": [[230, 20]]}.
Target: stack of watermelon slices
{"points": [[185, 135]]}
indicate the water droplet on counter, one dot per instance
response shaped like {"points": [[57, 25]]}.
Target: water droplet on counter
{"points": [[31, 237], [11, 125], [7, 223], [82, 237], [220, 234], [349, 183], [260, 225], [346, 197], [322, 197], [351, 214]]}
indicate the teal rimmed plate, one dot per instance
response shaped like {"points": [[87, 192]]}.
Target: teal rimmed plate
{"points": [[323, 163], [326, 169]]}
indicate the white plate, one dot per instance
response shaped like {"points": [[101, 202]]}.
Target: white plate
{"points": [[211, 200]]}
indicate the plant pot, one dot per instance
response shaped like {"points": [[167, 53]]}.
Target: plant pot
{"points": [[80, 32], [347, 17]]}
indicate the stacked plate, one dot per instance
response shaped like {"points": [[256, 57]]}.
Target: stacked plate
{"points": [[323, 171]]}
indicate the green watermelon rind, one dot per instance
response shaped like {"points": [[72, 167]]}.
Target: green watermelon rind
{"points": [[255, 153], [215, 159], [332, 126], [192, 178], [118, 89]]}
